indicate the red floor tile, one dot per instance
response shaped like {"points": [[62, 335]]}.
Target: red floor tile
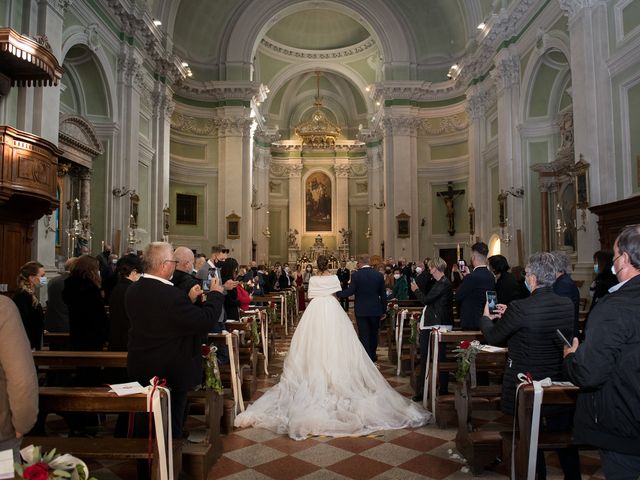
{"points": [[355, 444], [417, 441], [289, 446], [431, 466], [223, 467], [287, 468], [234, 442], [359, 468]]}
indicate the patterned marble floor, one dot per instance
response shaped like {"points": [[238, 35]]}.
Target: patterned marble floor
{"points": [[423, 453]]}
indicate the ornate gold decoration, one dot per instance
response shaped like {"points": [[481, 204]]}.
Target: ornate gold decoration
{"points": [[319, 132]]}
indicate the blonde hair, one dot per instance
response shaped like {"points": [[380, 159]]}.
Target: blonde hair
{"points": [[27, 270], [437, 263]]}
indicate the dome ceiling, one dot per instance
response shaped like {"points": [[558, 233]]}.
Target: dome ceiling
{"points": [[318, 29]]}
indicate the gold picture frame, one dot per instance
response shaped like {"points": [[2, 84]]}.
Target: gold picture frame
{"points": [[581, 179], [403, 226], [233, 226]]}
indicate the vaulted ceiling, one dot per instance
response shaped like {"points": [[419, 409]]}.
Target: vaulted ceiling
{"points": [[341, 38]]}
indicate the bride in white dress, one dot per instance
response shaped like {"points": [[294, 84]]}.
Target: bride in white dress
{"points": [[329, 386]]}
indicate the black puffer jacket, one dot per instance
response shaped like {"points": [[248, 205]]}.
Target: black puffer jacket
{"points": [[607, 369], [439, 302], [528, 328]]}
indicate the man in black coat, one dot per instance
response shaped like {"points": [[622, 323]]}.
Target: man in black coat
{"points": [[566, 287], [344, 275], [183, 276], [471, 294], [370, 303], [606, 367], [166, 329], [528, 328]]}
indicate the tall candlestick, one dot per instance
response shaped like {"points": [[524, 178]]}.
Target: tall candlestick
{"points": [[458, 251]]}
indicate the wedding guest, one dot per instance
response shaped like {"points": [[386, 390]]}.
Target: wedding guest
{"points": [[507, 288], [566, 287], [200, 260], [344, 275], [18, 380], [88, 324], [605, 279], [298, 280], [475, 283], [183, 277], [57, 315], [308, 273], [400, 287], [244, 297], [284, 280], [229, 271], [605, 367], [129, 271], [31, 277], [528, 328]]}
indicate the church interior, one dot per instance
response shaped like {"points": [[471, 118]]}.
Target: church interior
{"points": [[283, 129]]}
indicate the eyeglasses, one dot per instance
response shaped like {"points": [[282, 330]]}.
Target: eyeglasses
{"points": [[172, 261], [225, 250]]}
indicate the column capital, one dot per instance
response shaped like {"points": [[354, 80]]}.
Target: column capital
{"points": [[85, 174], [234, 126], [407, 125], [163, 103], [60, 6], [294, 171], [506, 73], [342, 170], [571, 8], [478, 99], [131, 69]]}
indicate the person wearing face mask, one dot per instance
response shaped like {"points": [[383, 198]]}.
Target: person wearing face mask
{"points": [[30, 278], [306, 276], [424, 279], [528, 328], [605, 279], [400, 287], [183, 276], [284, 280], [606, 364], [566, 287]]}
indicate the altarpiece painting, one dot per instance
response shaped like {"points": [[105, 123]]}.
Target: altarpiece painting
{"points": [[318, 202]]}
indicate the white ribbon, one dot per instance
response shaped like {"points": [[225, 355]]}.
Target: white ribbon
{"points": [[264, 337], [435, 335], [538, 393], [283, 314], [234, 364], [165, 450], [399, 329]]}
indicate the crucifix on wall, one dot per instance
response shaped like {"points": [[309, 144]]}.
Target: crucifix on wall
{"points": [[448, 197]]}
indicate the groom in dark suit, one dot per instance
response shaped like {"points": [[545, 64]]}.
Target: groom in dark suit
{"points": [[370, 303]]}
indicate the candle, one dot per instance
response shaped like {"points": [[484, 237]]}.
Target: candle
{"points": [[458, 251]]}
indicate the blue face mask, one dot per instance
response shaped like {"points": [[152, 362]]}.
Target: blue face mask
{"points": [[526, 284], [596, 269], [43, 281]]}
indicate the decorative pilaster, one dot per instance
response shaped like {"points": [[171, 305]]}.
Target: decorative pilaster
{"points": [[163, 105], [85, 195], [342, 171], [592, 112], [401, 179], [296, 197], [260, 193], [506, 76]]}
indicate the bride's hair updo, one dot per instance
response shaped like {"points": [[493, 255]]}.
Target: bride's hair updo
{"points": [[323, 263]]}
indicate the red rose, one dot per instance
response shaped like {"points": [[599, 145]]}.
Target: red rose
{"points": [[37, 471], [465, 344], [205, 350]]}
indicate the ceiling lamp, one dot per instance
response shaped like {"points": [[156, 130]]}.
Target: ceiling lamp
{"points": [[481, 26], [454, 71], [319, 132], [157, 23]]}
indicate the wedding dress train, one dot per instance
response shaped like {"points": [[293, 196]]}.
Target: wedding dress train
{"points": [[329, 386]]}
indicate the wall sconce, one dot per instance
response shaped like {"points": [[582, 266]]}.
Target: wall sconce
{"points": [[378, 206], [121, 192], [515, 192], [266, 231]]}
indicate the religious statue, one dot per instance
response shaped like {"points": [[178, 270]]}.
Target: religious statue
{"points": [[346, 235], [293, 238], [318, 241], [448, 197]]}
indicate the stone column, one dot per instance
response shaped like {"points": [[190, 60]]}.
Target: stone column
{"points": [[124, 173], [592, 112], [41, 106], [342, 170], [234, 179], [401, 179], [85, 195], [478, 193], [296, 197], [163, 106], [375, 193], [506, 75], [260, 194]]}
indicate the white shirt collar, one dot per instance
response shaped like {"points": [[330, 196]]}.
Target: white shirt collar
{"points": [[479, 266], [211, 264], [618, 286], [153, 277], [365, 266]]}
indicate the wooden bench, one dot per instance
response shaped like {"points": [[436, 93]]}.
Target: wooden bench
{"points": [[247, 354], [553, 395], [100, 400], [231, 377]]}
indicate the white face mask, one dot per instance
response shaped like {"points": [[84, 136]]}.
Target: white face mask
{"points": [[43, 281], [613, 270], [418, 270], [397, 276]]}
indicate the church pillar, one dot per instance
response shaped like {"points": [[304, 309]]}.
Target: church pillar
{"points": [[592, 113], [375, 194], [123, 171], [477, 187], [44, 121], [85, 196], [260, 196], [506, 75], [162, 109], [296, 197], [234, 184], [401, 180], [342, 196]]}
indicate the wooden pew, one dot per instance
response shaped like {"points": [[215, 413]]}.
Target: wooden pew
{"points": [[231, 377], [247, 355], [197, 458], [99, 400], [553, 395]]}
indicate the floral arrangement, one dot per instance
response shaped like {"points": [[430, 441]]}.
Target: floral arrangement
{"points": [[466, 353], [415, 319], [211, 371], [51, 465], [253, 326], [272, 312]]}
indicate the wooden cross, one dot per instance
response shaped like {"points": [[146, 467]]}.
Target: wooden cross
{"points": [[448, 197]]}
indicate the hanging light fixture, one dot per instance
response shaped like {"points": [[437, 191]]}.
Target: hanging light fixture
{"points": [[319, 132]]}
